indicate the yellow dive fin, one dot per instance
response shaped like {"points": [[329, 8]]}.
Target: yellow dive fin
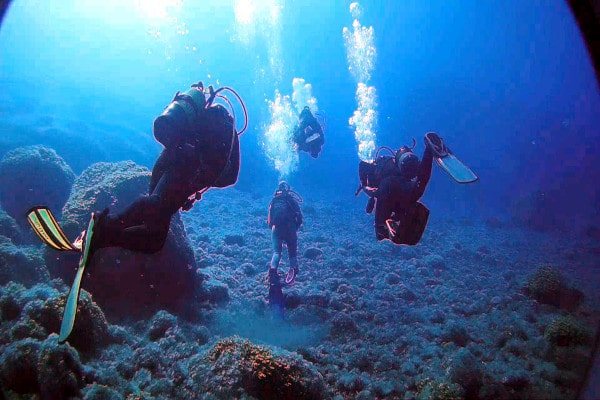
{"points": [[68, 319], [47, 229]]}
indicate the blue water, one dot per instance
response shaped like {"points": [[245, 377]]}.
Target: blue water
{"points": [[509, 85]]}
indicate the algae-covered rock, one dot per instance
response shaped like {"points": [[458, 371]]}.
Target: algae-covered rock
{"points": [[123, 282], [30, 176], [22, 264], [237, 368], [548, 286], [18, 366], [567, 331], [60, 371]]}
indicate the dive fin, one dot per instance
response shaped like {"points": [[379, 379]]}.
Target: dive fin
{"points": [[276, 299], [46, 227], [68, 319], [456, 169], [446, 159]]}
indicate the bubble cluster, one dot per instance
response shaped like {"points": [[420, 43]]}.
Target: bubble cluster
{"points": [[277, 145], [302, 95], [364, 121], [361, 54]]}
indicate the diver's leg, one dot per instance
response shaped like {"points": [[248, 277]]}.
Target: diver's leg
{"points": [[144, 225], [277, 248], [160, 166], [424, 173], [292, 247], [139, 227], [383, 211]]}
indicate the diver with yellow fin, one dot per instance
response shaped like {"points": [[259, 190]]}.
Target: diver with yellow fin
{"points": [[201, 150], [49, 231], [396, 182]]}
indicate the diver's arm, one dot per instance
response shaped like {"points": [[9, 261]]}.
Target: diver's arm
{"points": [[369, 191], [269, 215]]}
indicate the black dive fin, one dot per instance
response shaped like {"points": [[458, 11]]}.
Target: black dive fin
{"points": [[276, 299], [446, 159], [48, 230], [68, 319]]}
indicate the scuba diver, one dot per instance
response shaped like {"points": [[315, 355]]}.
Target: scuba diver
{"points": [[284, 219], [201, 150], [309, 135], [396, 182]]}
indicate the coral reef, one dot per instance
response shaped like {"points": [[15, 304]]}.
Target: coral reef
{"points": [[30, 176], [239, 367], [548, 286], [123, 282], [567, 331], [9, 228], [22, 264], [438, 390]]}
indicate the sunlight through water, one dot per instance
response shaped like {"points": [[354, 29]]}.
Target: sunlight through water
{"points": [[259, 21]]}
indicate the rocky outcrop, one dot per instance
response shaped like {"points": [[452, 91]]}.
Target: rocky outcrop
{"points": [[30, 176], [123, 282]]}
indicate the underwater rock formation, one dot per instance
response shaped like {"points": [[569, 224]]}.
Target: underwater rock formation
{"points": [[123, 282], [30, 176], [237, 368], [21, 264], [567, 331], [548, 286], [9, 228]]}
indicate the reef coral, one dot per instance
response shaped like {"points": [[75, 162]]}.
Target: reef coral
{"points": [[548, 286], [31, 176]]}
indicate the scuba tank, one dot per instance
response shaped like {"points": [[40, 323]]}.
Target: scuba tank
{"points": [[180, 116], [201, 139], [400, 161]]}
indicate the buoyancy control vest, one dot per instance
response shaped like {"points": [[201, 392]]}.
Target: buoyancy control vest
{"points": [[201, 137]]}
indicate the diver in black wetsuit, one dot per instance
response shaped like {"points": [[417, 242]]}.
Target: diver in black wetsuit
{"points": [[201, 150], [308, 135], [284, 219], [395, 184]]}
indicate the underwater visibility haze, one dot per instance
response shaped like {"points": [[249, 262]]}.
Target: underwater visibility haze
{"points": [[497, 299]]}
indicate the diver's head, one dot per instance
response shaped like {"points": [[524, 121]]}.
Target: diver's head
{"points": [[284, 186], [408, 164]]}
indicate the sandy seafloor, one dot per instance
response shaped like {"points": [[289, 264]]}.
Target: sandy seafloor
{"points": [[374, 319]]}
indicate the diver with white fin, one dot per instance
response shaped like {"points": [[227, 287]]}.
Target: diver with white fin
{"points": [[396, 182], [309, 134]]}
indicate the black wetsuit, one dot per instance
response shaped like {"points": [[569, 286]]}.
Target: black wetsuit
{"points": [[395, 194], [285, 217], [308, 126], [195, 161]]}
